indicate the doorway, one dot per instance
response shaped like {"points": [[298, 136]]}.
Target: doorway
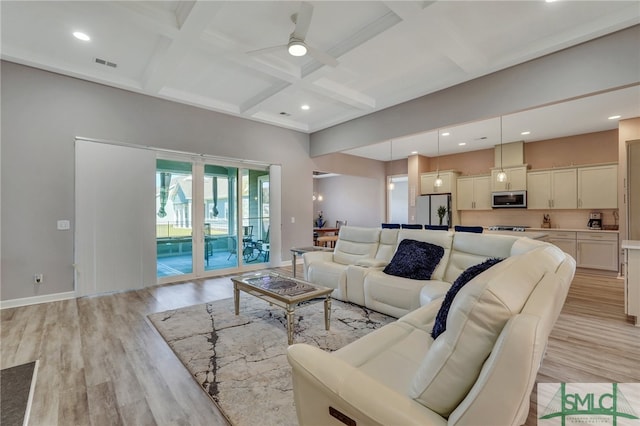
{"points": [[633, 189]]}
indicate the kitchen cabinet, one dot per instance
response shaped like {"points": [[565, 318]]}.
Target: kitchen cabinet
{"points": [[632, 278], [473, 193], [552, 189], [598, 187], [428, 179], [516, 179], [597, 250], [565, 240]]}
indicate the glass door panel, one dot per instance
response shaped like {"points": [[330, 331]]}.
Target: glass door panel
{"points": [[220, 217], [255, 216], [230, 207], [174, 224]]}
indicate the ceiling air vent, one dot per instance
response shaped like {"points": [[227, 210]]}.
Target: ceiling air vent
{"points": [[106, 63]]}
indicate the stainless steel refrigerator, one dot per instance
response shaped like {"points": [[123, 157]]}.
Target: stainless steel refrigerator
{"points": [[427, 209]]}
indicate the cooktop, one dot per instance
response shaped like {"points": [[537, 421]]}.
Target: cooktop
{"points": [[517, 228]]}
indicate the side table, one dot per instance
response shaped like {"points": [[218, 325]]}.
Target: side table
{"points": [[299, 251]]}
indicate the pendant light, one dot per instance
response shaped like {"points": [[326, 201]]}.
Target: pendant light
{"points": [[438, 182], [501, 176], [391, 185]]}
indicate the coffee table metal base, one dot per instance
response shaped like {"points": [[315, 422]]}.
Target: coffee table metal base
{"points": [[289, 308]]}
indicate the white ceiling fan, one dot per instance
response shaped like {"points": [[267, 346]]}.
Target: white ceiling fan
{"points": [[297, 46]]}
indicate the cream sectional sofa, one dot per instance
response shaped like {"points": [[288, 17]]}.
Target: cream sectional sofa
{"points": [[479, 371], [355, 267]]}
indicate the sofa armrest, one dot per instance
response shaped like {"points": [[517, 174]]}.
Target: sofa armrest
{"points": [[317, 256], [371, 263], [321, 381]]}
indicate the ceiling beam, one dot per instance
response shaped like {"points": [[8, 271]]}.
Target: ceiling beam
{"points": [[171, 53]]}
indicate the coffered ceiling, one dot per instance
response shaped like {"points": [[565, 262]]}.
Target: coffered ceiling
{"points": [[214, 55]]}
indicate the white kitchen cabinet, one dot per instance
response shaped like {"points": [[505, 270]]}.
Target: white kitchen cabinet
{"points": [[427, 181], [565, 240], [516, 179], [552, 189], [473, 193], [598, 187], [632, 278], [597, 250]]}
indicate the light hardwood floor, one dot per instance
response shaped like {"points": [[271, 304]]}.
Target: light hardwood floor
{"points": [[103, 363]]}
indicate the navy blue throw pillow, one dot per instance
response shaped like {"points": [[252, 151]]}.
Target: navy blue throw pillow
{"points": [[470, 273], [415, 260]]}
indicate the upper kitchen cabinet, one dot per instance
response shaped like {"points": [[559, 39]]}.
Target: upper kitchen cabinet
{"points": [[598, 187], [427, 182], [516, 179], [473, 193], [552, 189]]}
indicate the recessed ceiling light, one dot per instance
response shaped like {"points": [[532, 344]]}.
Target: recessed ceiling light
{"points": [[614, 117], [81, 36], [526, 132], [445, 134], [414, 152], [462, 143], [305, 107]]}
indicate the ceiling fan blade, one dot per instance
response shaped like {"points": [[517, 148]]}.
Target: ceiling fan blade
{"points": [[303, 21], [321, 56], [267, 50]]}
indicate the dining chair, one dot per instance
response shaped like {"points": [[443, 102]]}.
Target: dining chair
{"points": [[437, 227], [411, 226], [474, 229]]}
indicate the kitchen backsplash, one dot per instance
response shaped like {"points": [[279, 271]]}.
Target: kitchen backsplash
{"points": [[566, 219]]}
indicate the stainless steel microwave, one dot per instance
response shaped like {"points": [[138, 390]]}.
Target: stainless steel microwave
{"points": [[509, 199]]}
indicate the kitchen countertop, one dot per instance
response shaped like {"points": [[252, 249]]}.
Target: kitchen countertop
{"points": [[535, 235], [631, 244], [572, 230]]}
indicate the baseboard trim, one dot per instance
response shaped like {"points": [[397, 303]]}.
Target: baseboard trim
{"points": [[46, 298]]}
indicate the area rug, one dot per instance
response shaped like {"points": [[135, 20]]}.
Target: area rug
{"points": [[240, 361], [16, 391]]}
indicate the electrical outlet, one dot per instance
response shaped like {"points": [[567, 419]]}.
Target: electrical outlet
{"points": [[37, 279]]}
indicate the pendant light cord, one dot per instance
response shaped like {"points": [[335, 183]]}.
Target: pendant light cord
{"points": [[438, 162], [501, 168]]}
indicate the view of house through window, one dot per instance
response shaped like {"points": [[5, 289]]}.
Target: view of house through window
{"points": [[192, 241]]}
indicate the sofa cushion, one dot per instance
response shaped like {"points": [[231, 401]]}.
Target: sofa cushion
{"points": [[415, 260], [470, 273], [476, 319], [396, 296], [470, 249], [387, 245], [355, 243]]}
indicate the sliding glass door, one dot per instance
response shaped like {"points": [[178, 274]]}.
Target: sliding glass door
{"points": [[206, 222], [220, 217], [174, 221]]}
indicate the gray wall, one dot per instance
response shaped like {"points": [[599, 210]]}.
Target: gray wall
{"points": [[358, 200], [43, 112], [610, 62]]}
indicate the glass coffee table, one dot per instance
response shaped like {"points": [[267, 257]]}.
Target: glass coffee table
{"points": [[282, 291]]}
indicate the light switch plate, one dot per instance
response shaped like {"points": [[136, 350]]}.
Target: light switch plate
{"points": [[63, 225]]}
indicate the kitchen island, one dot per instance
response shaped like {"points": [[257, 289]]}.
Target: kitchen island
{"points": [[632, 278]]}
